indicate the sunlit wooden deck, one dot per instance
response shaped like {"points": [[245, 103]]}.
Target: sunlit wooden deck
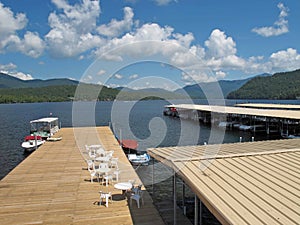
{"points": [[52, 186]]}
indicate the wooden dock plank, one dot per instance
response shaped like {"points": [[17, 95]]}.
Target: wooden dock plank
{"points": [[52, 186]]}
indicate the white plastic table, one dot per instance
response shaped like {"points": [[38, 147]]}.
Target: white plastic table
{"points": [[102, 159], [124, 186]]}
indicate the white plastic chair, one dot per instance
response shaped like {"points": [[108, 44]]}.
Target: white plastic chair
{"points": [[93, 174], [100, 152], [103, 165], [137, 197], [116, 174], [109, 154], [90, 163], [105, 196], [108, 177], [114, 162]]}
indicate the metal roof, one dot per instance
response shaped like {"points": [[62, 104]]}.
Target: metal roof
{"points": [[273, 106], [242, 183], [46, 119], [275, 113]]}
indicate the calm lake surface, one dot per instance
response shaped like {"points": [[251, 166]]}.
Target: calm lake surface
{"points": [[141, 120]]}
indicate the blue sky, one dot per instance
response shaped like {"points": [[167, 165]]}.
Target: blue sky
{"points": [[148, 43]]}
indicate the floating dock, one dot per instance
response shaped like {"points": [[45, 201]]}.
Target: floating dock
{"points": [[52, 186]]}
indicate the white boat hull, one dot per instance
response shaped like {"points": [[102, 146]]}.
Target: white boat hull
{"points": [[32, 145], [139, 159]]}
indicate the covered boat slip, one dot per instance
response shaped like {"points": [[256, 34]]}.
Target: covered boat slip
{"points": [[52, 186], [241, 183], [272, 113]]}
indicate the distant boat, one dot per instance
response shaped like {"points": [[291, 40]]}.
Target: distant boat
{"points": [[137, 160], [32, 142]]}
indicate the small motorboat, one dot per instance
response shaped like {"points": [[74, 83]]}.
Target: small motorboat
{"points": [[137, 160], [32, 142]]}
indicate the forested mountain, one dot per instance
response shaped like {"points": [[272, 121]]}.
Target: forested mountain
{"points": [[7, 81], [278, 86], [213, 90], [284, 85], [14, 90], [57, 94]]}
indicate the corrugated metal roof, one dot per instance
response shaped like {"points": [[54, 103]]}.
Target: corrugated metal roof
{"points": [[264, 105], [245, 183], [275, 113]]}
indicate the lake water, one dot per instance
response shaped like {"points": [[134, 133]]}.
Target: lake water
{"points": [[142, 120]]}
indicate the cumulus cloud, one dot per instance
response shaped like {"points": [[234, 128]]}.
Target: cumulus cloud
{"points": [[133, 76], [101, 72], [279, 27], [286, 59], [72, 29], [219, 45], [7, 67], [164, 2], [31, 44], [115, 27], [10, 69], [118, 76], [20, 75]]}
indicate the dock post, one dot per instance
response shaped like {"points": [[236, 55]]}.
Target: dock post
{"points": [[183, 198], [174, 199], [252, 139], [241, 139], [196, 219]]}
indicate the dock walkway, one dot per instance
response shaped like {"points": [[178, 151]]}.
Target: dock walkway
{"points": [[52, 186]]}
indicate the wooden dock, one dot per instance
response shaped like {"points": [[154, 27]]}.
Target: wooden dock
{"points": [[52, 186]]}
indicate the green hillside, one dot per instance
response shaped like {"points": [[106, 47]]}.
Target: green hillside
{"points": [[7, 81], [56, 94], [278, 86]]}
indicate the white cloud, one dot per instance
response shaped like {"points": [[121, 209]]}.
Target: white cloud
{"points": [[10, 69], [220, 74], [136, 44], [219, 45], [164, 2], [101, 72], [10, 23], [7, 67], [133, 76], [115, 27], [118, 76], [196, 76], [21, 75], [279, 27], [72, 30], [285, 60], [31, 45]]}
